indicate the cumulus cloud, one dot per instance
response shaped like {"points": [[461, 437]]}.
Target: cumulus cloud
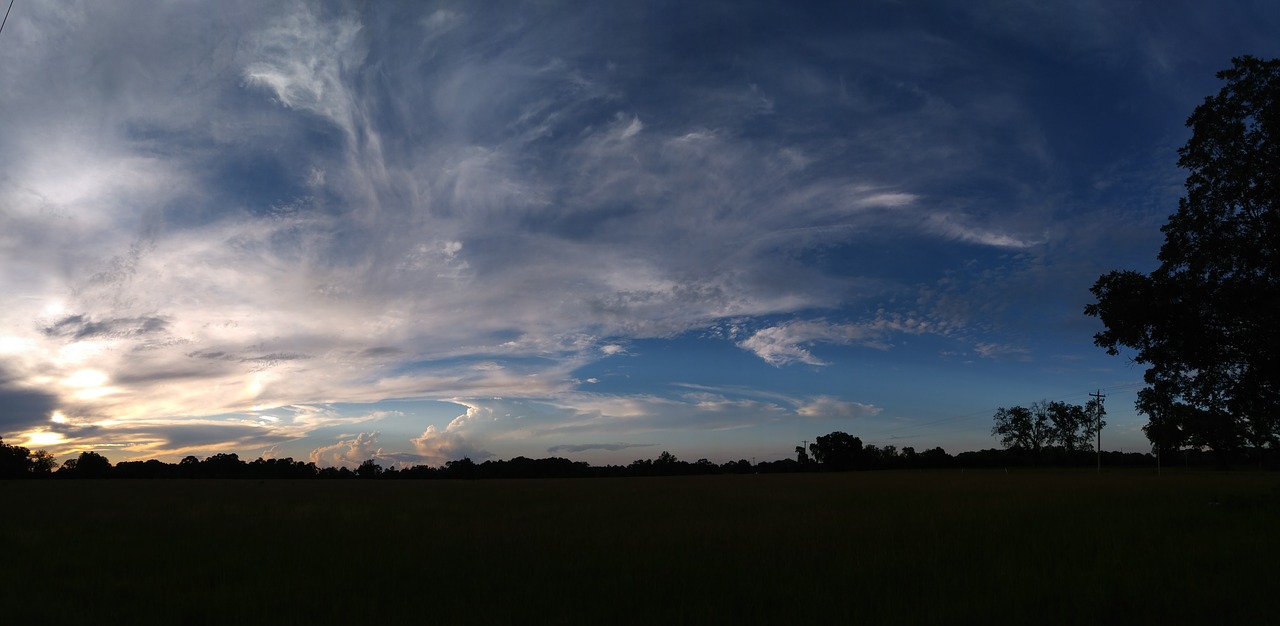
{"points": [[349, 452], [437, 447]]}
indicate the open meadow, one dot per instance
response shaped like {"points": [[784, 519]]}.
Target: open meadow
{"points": [[872, 547]]}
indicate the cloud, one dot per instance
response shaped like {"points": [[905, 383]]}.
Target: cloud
{"points": [[828, 407], [587, 417], [787, 343], [77, 327], [950, 227], [1002, 351], [305, 62], [584, 447], [144, 439], [22, 408], [347, 453], [437, 447]]}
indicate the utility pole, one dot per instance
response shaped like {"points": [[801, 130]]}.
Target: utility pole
{"points": [[1098, 397]]}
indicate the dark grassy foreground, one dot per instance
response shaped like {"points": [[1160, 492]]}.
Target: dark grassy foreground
{"points": [[920, 548]]}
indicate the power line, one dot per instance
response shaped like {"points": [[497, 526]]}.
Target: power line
{"points": [[6, 16]]}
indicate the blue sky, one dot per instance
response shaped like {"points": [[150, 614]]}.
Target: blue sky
{"points": [[414, 231]]}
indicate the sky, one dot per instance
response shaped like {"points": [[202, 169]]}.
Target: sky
{"points": [[418, 231]]}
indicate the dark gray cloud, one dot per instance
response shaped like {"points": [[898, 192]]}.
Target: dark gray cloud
{"points": [[79, 327], [271, 358], [213, 435], [22, 408], [380, 352]]}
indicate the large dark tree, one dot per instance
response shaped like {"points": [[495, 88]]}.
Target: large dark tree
{"points": [[1069, 427], [13, 461], [838, 451], [1020, 428], [1072, 427], [88, 465], [19, 462], [1204, 322]]}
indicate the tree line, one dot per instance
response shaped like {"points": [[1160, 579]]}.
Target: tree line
{"points": [[834, 452]]}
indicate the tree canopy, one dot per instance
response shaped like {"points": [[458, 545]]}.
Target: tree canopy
{"points": [[19, 462], [1068, 427], [1203, 322]]}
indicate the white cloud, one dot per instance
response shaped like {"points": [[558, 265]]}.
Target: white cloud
{"points": [[439, 22], [787, 343], [828, 407], [632, 129], [949, 226], [886, 199], [348, 453], [438, 447], [1002, 351], [304, 62]]}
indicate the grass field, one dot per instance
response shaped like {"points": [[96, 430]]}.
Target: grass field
{"points": [[874, 547]]}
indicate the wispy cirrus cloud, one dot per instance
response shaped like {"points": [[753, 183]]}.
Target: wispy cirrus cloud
{"points": [[787, 343]]}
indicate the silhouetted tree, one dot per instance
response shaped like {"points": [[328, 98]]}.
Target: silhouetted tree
{"points": [[88, 465], [667, 465], [1020, 428], [1204, 322], [369, 469], [1166, 420], [640, 467], [223, 465], [13, 461], [461, 468], [152, 468], [781, 466], [838, 451], [41, 463], [1071, 426], [935, 457], [280, 468], [189, 467], [909, 457]]}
